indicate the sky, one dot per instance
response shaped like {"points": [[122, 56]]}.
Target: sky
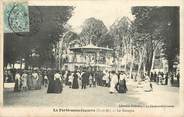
{"points": [[107, 12]]}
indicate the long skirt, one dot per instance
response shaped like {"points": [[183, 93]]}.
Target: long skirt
{"points": [[54, 86], [90, 81], [57, 86], [147, 87], [75, 84], [66, 81], [17, 87], [50, 87], [24, 83], [30, 83], [41, 79], [46, 82], [112, 88], [35, 84], [121, 88], [39, 82]]}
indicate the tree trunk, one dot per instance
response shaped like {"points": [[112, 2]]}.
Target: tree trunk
{"points": [[139, 67], [21, 63], [140, 63], [149, 57], [125, 64], [150, 62], [144, 68], [153, 60], [154, 54], [132, 61]]}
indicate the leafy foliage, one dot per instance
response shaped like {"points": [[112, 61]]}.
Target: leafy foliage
{"points": [[93, 30], [161, 23], [46, 27]]}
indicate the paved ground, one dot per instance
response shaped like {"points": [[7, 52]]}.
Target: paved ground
{"points": [[98, 96]]}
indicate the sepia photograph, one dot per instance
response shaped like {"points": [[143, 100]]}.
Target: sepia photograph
{"points": [[91, 56]]}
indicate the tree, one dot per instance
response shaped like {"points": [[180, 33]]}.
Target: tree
{"points": [[153, 21], [107, 41], [46, 26], [69, 37], [171, 45], [121, 33], [93, 30], [66, 41], [139, 44]]}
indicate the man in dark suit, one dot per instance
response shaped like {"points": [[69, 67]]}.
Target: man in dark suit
{"points": [[85, 76]]}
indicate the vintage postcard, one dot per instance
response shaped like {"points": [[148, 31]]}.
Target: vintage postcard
{"points": [[92, 58]]}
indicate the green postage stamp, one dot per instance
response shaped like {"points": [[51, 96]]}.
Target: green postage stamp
{"points": [[16, 17]]}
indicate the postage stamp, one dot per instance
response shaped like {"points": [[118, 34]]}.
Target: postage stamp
{"points": [[16, 18]]}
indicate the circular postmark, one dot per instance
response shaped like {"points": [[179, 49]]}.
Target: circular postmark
{"points": [[18, 18], [23, 27]]}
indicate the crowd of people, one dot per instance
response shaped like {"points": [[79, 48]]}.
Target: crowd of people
{"points": [[29, 80], [84, 78], [55, 80], [162, 78], [87, 79]]}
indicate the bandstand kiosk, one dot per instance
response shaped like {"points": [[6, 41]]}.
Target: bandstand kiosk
{"points": [[92, 56]]}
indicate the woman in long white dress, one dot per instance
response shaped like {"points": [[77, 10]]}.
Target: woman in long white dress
{"points": [[24, 81], [46, 80], [70, 79], [40, 80], [147, 84], [114, 81], [17, 87], [35, 80]]}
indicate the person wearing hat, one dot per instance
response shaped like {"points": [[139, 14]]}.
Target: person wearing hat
{"points": [[46, 80], [51, 84], [84, 76], [122, 87], [35, 79], [106, 78], [24, 78], [40, 80], [75, 82], [147, 84], [58, 83], [114, 81], [30, 80], [17, 87]]}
